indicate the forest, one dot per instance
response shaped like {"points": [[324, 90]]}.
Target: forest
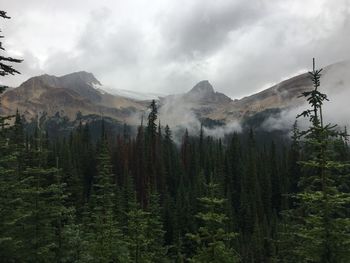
{"points": [[247, 197]]}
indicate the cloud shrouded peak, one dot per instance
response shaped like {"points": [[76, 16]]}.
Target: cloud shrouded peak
{"points": [[202, 87], [83, 76]]}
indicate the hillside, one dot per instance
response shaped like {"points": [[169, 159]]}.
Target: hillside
{"points": [[82, 92], [67, 95]]}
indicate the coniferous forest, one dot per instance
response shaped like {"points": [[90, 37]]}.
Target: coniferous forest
{"points": [[247, 197]]}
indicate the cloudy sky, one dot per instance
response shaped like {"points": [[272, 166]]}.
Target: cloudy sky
{"points": [[167, 46]]}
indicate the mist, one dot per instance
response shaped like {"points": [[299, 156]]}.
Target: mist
{"points": [[335, 83], [179, 112]]}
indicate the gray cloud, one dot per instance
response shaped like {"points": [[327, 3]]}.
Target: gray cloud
{"points": [[204, 27], [166, 46]]}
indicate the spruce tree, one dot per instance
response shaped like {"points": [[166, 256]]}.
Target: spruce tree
{"points": [[43, 210], [144, 233], [5, 62], [103, 229], [318, 228], [214, 243], [10, 162], [250, 210], [11, 199]]}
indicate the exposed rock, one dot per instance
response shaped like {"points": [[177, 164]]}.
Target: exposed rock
{"points": [[82, 92], [67, 95]]}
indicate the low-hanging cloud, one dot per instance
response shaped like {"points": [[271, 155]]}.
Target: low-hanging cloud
{"points": [[177, 112], [335, 82]]}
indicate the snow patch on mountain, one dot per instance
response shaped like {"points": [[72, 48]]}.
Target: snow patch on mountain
{"points": [[133, 94]]}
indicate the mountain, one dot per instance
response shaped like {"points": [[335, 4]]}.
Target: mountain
{"points": [[132, 94], [82, 92], [200, 103], [207, 104], [204, 93], [67, 95], [281, 96], [286, 94]]}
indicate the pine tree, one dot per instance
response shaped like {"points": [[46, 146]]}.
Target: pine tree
{"points": [[145, 233], [103, 232], [318, 227], [294, 157], [155, 230], [139, 167], [251, 207], [5, 67], [151, 153], [43, 210], [213, 241], [10, 163], [152, 118], [11, 199]]}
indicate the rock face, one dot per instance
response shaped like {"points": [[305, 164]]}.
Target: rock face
{"points": [[200, 102], [286, 94], [283, 95], [67, 95], [203, 92], [202, 89], [82, 92], [205, 103]]}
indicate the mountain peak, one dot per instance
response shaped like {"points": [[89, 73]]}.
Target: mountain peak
{"points": [[203, 92], [83, 76], [202, 87]]}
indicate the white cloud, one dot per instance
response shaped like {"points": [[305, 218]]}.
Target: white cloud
{"points": [[166, 46]]}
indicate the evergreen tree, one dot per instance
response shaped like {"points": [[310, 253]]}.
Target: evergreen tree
{"points": [[145, 233], [43, 210], [11, 199], [10, 162], [317, 229], [152, 118], [103, 233], [294, 171], [251, 208], [5, 67], [213, 241]]}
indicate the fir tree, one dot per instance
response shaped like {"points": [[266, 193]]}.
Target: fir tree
{"points": [[11, 199], [103, 233], [152, 118], [317, 229], [5, 67], [145, 233], [213, 241], [43, 210]]}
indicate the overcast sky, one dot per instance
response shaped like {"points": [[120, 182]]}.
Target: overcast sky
{"points": [[167, 46]]}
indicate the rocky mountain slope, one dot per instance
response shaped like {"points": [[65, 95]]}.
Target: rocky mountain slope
{"points": [[286, 94], [82, 92], [66, 96], [283, 95]]}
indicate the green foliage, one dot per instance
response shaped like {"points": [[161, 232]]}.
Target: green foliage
{"points": [[71, 200], [152, 118], [102, 232], [145, 233], [5, 67], [318, 228], [212, 241]]}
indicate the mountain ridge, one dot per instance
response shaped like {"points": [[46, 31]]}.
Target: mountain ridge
{"points": [[83, 92]]}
